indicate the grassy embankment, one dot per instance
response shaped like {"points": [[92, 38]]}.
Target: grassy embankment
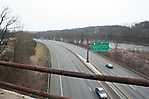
{"points": [[25, 50]]}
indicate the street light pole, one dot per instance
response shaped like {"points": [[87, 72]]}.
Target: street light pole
{"points": [[87, 58]]}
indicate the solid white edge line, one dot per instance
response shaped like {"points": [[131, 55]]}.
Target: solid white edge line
{"points": [[89, 65], [94, 70], [61, 86]]}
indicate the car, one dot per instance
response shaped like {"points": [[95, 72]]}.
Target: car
{"points": [[109, 66], [101, 92]]}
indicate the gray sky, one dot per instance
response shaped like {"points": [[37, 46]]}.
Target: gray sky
{"points": [[65, 14]]}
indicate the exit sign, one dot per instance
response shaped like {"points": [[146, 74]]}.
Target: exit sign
{"points": [[99, 45]]}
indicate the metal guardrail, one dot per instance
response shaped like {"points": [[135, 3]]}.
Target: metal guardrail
{"points": [[124, 80]]}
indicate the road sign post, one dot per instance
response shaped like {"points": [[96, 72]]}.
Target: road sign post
{"points": [[87, 58]]}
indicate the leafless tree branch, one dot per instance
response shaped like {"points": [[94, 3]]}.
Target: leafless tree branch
{"points": [[6, 21]]}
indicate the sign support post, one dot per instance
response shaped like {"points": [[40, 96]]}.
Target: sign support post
{"points": [[87, 58]]}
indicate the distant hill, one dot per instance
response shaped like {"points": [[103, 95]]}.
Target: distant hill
{"points": [[138, 33]]}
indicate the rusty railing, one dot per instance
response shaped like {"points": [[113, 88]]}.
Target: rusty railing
{"points": [[124, 80]]}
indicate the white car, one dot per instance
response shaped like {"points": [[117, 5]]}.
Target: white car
{"points": [[109, 66], [101, 92]]}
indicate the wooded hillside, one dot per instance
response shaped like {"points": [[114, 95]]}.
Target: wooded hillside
{"points": [[137, 33]]}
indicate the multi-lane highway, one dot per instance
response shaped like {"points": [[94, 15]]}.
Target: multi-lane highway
{"points": [[63, 58]]}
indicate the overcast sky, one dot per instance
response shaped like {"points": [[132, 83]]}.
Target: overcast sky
{"points": [[65, 14]]}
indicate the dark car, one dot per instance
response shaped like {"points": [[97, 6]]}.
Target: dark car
{"points": [[101, 92]]}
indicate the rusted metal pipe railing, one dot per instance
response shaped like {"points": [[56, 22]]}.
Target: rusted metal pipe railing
{"points": [[124, 80], [30, 91]]}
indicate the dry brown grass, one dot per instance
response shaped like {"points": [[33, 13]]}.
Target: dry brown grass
{"points": [[135, 61], [26, 51], [40, 55], [40, 58]]}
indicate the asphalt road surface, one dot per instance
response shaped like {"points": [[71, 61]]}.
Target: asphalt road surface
{"points": [[62, 58]]}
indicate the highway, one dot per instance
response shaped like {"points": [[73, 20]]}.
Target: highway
{"points": [[63, 58]]}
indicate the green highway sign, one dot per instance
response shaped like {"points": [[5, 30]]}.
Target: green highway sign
{"points": [[99, 45]]}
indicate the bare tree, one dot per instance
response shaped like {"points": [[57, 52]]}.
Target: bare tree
{"points": [[116, 45], [6, 23]]}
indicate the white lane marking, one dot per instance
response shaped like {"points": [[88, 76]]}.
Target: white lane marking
{"points": [[132, 87], [61, 86], [117, 90], [90, 89], [89, 65], [60, 78]]}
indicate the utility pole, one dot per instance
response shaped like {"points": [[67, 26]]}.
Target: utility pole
{"points": [[87, 58]]}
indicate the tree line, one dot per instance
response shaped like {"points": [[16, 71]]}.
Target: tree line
{"points": [[137, 33]]}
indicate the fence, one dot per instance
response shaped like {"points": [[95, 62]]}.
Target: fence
{"points": [[124, 80]]}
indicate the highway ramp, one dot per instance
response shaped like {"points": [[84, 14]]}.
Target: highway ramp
{"points": [[62, 58]]}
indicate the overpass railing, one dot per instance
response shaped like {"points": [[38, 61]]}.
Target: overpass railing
{"points": [[123, 80]]}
